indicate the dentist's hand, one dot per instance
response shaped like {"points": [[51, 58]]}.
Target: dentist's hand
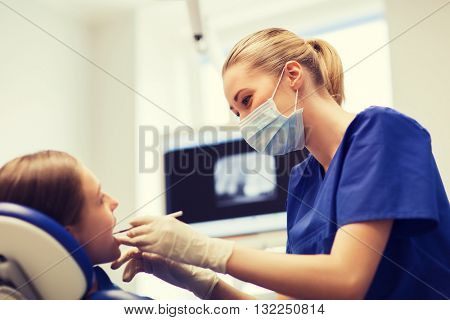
{"points": [[173, 239], [199, 281]]}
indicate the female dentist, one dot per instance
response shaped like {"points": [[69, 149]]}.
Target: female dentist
{"points": [[367, 213]]}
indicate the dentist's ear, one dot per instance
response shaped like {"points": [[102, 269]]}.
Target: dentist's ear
{"points": [[295, 73]]}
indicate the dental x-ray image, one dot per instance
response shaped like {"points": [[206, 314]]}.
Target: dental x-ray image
{"points": [[245, 178]]}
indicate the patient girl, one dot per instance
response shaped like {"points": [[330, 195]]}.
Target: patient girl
{"points": [[57, 184]]}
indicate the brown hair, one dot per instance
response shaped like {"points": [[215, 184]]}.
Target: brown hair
{"points": [[48, 181], [270, 49]]}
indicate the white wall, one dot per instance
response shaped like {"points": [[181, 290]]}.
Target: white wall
{"points": [[167, 74], [51, 98], [420, 62], [43, 87], [112, 111]]}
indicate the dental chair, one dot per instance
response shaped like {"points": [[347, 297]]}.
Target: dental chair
{"points": [[39, 259]]}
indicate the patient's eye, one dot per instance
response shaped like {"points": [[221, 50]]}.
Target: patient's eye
{"points": [[102, 198]]}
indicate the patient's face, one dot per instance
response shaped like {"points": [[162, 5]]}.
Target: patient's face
{"points": [[94, 230]]}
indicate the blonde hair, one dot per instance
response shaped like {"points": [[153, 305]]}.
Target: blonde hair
{"points": [[269, 50]]}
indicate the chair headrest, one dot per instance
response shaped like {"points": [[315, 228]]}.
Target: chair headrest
{"points": [[48, 254]]}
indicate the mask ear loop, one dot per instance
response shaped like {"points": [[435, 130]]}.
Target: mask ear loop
{"points": [[296, 105], [296, 102], [296, 93]]}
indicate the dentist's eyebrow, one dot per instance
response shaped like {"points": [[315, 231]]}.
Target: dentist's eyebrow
{"points": [[237, 94]]}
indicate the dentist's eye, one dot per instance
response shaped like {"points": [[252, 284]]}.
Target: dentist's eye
{"points": [[246, 100]]}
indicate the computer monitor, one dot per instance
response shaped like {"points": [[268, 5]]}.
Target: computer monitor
{"points": [[227, 180]]}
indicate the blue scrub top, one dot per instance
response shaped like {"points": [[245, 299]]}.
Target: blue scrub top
{"points": [[107, 290], [383, 169]]}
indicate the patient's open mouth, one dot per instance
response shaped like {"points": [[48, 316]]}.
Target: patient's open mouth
{"points": [[123, 230]]}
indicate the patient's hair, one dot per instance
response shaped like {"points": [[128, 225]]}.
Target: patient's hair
{"points": [[47, 181]]}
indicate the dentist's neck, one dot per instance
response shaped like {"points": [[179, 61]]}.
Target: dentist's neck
{"points": [[325, 125]]}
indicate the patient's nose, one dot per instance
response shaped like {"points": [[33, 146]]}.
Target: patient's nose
{"points": [[113, 203]]}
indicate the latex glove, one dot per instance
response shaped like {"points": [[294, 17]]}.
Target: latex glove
{"points": [[173, 239], [199, 281]]}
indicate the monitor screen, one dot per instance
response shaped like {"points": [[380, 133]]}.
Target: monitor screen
{"points": [[226, 180], [244, 178]]}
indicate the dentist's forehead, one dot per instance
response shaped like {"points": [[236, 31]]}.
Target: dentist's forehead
{"points": [[231, 82], [236, 78]]}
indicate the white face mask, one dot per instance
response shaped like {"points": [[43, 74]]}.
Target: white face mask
{"points": [[267, 130]]}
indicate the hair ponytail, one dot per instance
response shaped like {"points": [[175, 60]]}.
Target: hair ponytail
{"points": [[330, 67]]}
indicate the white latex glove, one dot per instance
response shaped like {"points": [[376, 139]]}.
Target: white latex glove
{"points": [[199, 281], [173, 239]]}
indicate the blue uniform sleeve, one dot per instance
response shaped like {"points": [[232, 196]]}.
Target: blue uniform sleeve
{"points": [[389, 173]]}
